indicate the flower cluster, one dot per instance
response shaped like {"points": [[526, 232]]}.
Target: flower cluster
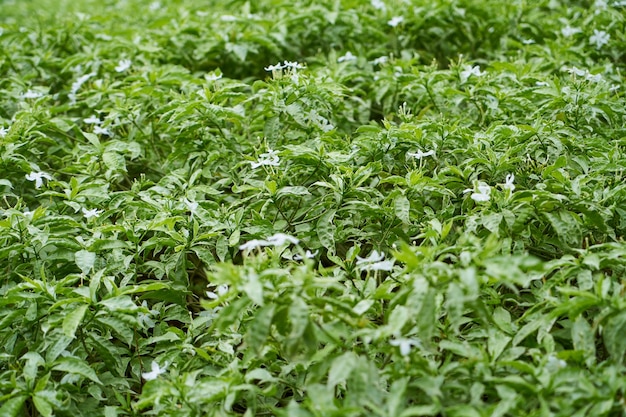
{"points": [[294, 66]]}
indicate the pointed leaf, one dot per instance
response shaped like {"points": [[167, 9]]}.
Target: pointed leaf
{"points": [[73, 319]]}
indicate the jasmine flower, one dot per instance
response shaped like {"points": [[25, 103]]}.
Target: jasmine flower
{"points": [[405, 345], [307, 255], [32, 94], [599, 38], [253, 244], [156, 371], [293, 65], [273, 68], [577, 71], [379, 266], [375, 256], [123, 65], [569, 31], [378, 4], [279, 239], [219, 291], [419, 154], [91, 213], [395, 21], [92, 120], [212, 77], [347, 57], [469, 71], [380, 60], [3, 132], [38, 178], [481, 194], [508, 184], [101, 131], [269, 158]]}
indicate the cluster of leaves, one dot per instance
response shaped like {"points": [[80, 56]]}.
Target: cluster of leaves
{"points": [[417, 212]]}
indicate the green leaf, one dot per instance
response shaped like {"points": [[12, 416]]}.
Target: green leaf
{"points": [[72, 320], [402, 208], [259, 328], [85, 260], [341, 369], [613, 335], [13, 406], [76, 366], [42, 405], [326, 230], [114, 161]]}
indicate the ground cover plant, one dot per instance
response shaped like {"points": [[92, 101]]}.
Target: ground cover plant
{"points": [[312, 208]]}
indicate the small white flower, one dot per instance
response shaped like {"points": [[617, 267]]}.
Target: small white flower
{"points": [[32, 94], [381, 60], [92, 120], [307, 255], [101, 131], [347, 57], [279, 239], [212, 77], [273, 68], [80, 81], [228, 18], [594, 78], [395, 21], [293, 65], [123, 65], [569, 31], [614, 87], [3, 132], [577, 71], [91, 213], [378, 266], [378, 4], [156, 371], [219, 291], [542, 84], [375, 256], [405, 345], [554, 364], [253, 244], [38, 178], [508, 184], [599, 38], [469, 71], [481, 194], [419, 154], [528, 41], [600, 5], [269, 158]]}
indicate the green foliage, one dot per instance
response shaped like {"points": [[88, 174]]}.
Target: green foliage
{"points": [[417, 212]]}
